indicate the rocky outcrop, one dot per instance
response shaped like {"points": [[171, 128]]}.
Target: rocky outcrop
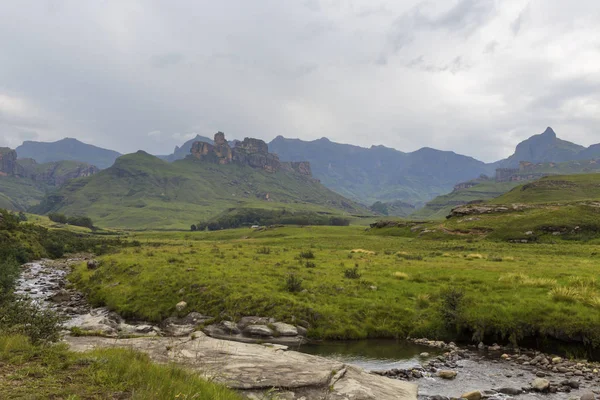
{"points": [[8, 162], [251, 152], [258, 330], [254, 369]]}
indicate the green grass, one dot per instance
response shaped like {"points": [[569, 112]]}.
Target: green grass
{"points": [[402, 283], [18, 194], [141, 191], [53, 372]]}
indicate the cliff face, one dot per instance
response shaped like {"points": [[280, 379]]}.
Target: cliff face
{"points": [[8, 162], [251, 152], [58, 173]]}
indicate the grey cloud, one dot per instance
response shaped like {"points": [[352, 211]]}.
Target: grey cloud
{"points": [[98, 72], [167, 59]]}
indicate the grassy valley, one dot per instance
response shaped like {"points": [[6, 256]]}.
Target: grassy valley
{"points": [[141, 191]]}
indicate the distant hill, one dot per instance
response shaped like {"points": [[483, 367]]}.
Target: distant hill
{"points": [[545, 147], [141, 191], [67, 149], [491, 188], [559, 188], [23, 183], [380, 173]]}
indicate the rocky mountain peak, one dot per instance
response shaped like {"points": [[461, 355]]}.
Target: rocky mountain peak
{"points": [[549, 133], [251, 152]]}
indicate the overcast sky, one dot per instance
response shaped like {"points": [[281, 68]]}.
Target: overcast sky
{"points": [[471, 76]]}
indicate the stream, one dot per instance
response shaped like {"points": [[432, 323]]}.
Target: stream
{"points": [[45, 283]]}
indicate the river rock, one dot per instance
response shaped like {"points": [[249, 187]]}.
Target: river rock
{"points": [[510, 391], [588, 396], [285, 329], [93, 264], [230, 327], [245, 321], [447, 374], [181, 306], [474, 395], [258, 330], [540, 385]]}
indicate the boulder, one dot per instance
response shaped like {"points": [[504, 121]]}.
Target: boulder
{"points": [[245, 321], [588, 396], [93, 264], [447, 374], [474, 395], [258, 330], [540, 385], [181, 306], [230, 327], [285, 329]]}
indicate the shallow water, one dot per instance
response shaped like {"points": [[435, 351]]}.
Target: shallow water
{"points": [[372, 354], [480, 372]]}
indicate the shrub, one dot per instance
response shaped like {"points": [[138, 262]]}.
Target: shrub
{"points": [[85, 222], [193, 228], [58, 218], [19, 316], [406, 256], [263, 250], [352, 273], [566, 294], [452, 300], [293, 283], [310, 264], [308, 254]]}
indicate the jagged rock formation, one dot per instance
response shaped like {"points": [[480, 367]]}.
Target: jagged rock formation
{"points": [[251, 152], [8, 162]]}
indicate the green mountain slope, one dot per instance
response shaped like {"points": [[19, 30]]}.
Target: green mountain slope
{"points": [[142, 191], [560, 188], [441, 206], [67, 149]]}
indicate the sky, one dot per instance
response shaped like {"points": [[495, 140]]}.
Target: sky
{"points": [[471, 76]]}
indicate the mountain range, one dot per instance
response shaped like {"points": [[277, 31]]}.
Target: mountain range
{"points": [[364, 175]]}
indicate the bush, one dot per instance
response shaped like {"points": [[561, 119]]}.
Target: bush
{"points": [[85, 222], [452, 300], [19, 316], [293, 283], [352, 273], [310, 264], [58, 218], [307, 254]]}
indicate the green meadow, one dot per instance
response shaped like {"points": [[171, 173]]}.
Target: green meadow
{"points": [[348, 282]]}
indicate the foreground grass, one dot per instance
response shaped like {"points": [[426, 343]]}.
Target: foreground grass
{"points": [[52, 372], [351, 284]]}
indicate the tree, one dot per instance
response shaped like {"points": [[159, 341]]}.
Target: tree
{"points": [[193, 228]]}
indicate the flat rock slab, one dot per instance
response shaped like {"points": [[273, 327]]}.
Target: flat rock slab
{"points": [[253, 367]]}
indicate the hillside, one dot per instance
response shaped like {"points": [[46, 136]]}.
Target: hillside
{"points": [[142, 191], [379, 173], [67, 149], [441, 206], [23, 183], [506, 179], [559, 188]]}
